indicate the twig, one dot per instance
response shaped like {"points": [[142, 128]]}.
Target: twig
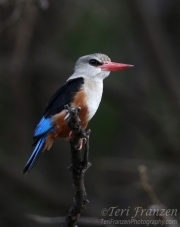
{"points": [[146, 186], [60, 220], [78, 166], [156, 204], [14, 17]]}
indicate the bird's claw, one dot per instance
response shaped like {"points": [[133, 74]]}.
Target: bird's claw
{"points": [[72, 117], [80, 143], [67, 115]]}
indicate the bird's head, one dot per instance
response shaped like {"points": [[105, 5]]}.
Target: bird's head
{"points": [[97, 66]]}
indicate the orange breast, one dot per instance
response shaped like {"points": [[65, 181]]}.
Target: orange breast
{"points": [[80, 100], [61, 127]]}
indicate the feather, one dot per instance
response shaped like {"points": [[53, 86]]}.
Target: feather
{"points": [[64, 95], [44, 126], [35, 154]]}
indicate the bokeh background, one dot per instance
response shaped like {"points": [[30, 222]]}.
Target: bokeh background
{"points": [[138, 121]]}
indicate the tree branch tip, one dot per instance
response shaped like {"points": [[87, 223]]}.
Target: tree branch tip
{"points": [[142, 168], [78, 109], [88, 132], [70, 168], [87, 201], [67, 115], [86, 165], [66, 107]]}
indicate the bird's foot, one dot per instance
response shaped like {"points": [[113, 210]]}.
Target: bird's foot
{"points": [[79, 145], [70, 134], [80, 142]]}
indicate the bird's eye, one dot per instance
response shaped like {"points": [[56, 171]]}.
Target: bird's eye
{"points": [[94, 62]]}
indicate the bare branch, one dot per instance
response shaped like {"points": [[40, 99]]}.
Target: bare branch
{"points": [[53, 220], [146, 186], [156, 204], [78, 166], [14, 17]]}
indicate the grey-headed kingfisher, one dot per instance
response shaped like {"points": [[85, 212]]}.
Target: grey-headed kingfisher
{"points": [[83, 89]]}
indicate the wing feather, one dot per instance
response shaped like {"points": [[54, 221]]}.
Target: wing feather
{"points": [[64, 95]]}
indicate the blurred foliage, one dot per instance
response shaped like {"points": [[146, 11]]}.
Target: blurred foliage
{"points": [[137, 121]]}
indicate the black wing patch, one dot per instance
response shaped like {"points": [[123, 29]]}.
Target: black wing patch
{"points": [[64, 95]]}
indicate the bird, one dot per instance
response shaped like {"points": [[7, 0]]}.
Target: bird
{"points": [[82, 89]]}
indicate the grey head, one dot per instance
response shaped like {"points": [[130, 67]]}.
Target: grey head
{"points": [[96, 66], [90, 66]]}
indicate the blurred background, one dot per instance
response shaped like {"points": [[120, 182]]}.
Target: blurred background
{"points": [[136, 127]]}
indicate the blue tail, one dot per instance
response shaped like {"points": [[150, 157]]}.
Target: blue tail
{"points": [[35, 154], [45, 125]]}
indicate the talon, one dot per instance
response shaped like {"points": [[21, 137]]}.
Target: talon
{"points": [[70, 134], [84, 139], [78, 109], [80, 144], [67, 115]]}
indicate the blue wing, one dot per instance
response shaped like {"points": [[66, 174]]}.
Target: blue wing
{"points": [[44, 126], [64, 95]]}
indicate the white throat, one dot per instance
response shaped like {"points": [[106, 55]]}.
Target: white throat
{"points": [[94, 90]]}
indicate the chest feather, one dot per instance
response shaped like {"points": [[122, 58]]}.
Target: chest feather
{"points": [[93, 91]]}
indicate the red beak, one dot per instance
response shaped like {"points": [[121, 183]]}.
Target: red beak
{"points": [[113, 66]]}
